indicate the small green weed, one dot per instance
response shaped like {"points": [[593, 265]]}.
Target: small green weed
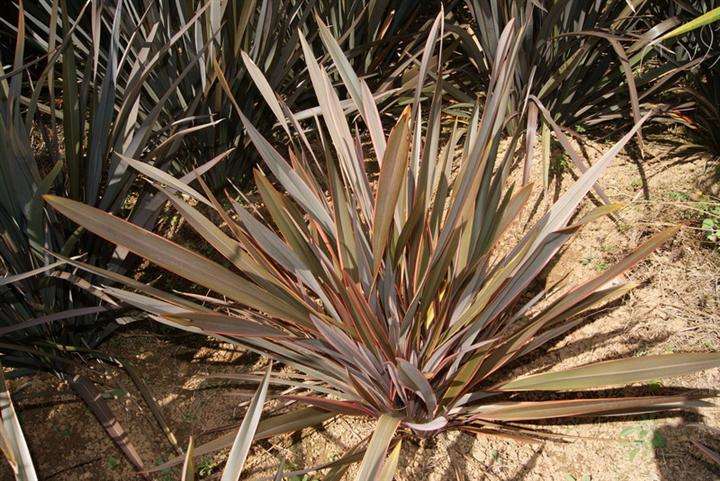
{"points": [[655, 385], [559, 164], [678, 196], [711, 227], [710, 221], [113, 463], [601, 265], [609, 248], [643, 438], [206, 466]]}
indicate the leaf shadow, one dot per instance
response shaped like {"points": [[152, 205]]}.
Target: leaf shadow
{"points": [[676, 455]]}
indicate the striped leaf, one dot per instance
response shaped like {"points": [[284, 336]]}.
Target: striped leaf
{"points": [[616, 373]]}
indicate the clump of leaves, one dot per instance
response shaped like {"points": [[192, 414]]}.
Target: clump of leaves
{"points": [[711, 227], [112, 462], [402, 297], [700, 114], [607, 50], [67, 121], [206, 466], [172, 56]]}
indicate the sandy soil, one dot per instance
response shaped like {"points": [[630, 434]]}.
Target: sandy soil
{"points": [[674, 309]]}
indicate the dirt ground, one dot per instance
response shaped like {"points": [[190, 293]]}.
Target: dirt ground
{"points": [[674, 309]]}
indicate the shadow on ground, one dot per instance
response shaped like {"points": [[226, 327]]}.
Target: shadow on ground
{"points": [[676, 455]]}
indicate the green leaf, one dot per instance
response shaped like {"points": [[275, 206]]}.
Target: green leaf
{"points": [[529, 411], [372, 462], [390, 466], [172, 257], [705, 19], [658, 441], [163, 178], [243, 440], [265, 90], [268, 427], [392, 173], [616, 373]]}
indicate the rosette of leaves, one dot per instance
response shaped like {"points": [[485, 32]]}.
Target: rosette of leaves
{"points": [[394, 287], [64, 130], [590, 63]]}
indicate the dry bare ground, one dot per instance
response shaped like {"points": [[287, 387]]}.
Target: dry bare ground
{"points": [[674, 309]]}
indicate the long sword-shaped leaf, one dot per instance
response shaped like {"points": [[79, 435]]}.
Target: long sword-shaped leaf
{"points": [[705, 19], [24, 275], [411, 376], [338, 128], [188, 469], [14, 446], [224, 244], [172, 257], [530, 411], [57, 316], [246, 433], [152, 403], [390, 466], [265, 90], [294, 184], [711, 455], [372, 462], [164, 178], [228, 325], [563, 209], [616, 373], [91, 396], [392, 173], [269, 427]]}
